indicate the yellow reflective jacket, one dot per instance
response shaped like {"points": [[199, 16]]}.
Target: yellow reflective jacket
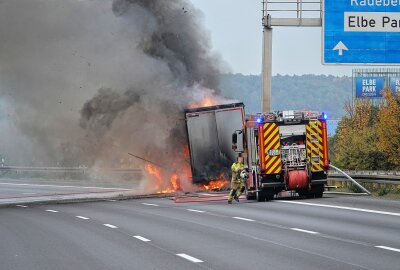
{"points": [[236, 168]]}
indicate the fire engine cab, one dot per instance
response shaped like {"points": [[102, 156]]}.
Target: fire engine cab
{"points": [[284, 151]]}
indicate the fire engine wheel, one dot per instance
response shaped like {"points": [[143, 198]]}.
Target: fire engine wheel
{"points": [[261, 196], [318, 191], [319, 194], [265, 195], [251, 196]]}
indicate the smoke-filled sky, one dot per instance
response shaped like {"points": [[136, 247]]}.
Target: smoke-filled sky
{"points": [[85, 82]]}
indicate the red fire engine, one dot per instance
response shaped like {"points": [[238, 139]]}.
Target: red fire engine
{"points": [[284, 150]]}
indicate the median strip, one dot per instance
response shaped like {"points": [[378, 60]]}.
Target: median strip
{"points": [[189, 258]]}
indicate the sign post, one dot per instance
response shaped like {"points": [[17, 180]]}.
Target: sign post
{"points": [[361, 32]]}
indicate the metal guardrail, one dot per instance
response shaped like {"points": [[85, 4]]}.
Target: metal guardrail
{"points": [[368, 175], [67, 169]]}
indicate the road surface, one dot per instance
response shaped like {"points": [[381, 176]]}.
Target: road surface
{"points": [[335, 232]]}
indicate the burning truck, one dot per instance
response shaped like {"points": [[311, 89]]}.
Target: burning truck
{"points": [[283, 150]]}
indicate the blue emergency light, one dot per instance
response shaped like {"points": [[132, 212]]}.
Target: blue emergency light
{"points": [[324, 116], [259, 120]]}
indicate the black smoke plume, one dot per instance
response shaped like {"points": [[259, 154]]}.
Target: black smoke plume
{"points": [[86, 82]]}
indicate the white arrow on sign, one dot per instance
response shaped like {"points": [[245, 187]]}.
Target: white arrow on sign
{"points": [[340, 47]]}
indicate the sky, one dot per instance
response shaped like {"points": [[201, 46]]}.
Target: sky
{"points": [[236, 33]]}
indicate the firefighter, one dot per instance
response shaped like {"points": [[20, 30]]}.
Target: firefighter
{"points": [[244, 175], [236, 168]]}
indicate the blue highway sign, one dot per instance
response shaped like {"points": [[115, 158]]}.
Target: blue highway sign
{"points": [[369, 87], [361, 32]]}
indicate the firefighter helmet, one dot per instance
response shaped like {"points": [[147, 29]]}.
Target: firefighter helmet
{"points": [[244, 174]]}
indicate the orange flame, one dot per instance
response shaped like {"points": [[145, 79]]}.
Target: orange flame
{"points": [[215, 184], [219, 182], [162, 185], [205, 102]]}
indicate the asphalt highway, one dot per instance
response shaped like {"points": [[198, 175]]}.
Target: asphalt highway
{"points": [[335, 232], [26, 188]]}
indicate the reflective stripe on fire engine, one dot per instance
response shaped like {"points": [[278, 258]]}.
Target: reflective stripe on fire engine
{"points": [[315, 148], [271, 153]]}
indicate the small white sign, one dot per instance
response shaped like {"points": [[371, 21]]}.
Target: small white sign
{"points": [[273, 152], [372, 21]]}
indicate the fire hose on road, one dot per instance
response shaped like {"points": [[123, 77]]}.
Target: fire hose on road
{"points": [[351, 179]]}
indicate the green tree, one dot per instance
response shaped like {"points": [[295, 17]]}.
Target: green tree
{"points": [[388, 127], [356, 139]]}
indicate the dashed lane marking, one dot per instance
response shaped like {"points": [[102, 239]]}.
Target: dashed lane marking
{"points": [[194, 210], [189, 258], [245, 219], [345, 208], [141, 238], [52, 211], [389, 248], [150, 204], [110, 226], [20, 205], [82, 217], [304, 231]]}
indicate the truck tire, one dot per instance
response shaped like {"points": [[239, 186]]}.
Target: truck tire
{"points": [[260, 196], [318, 191], [269, 194], [303, 193], [251, 196]]}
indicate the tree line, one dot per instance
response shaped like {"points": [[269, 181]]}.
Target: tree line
{"points": [[368, 136]]}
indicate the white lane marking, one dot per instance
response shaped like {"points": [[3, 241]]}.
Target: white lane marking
{"points": [[20, 205], [189, 258], [111, 200], [110, 226], [150, 204], [246, 219], [142, 238], [82, 217], [388, 248], [52, 211], [194, 210], [29, 193], [38, 185], [304, 231], [345, 208]]}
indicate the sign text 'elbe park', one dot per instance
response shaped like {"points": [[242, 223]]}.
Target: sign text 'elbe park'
{"points": [[361, 32]]}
